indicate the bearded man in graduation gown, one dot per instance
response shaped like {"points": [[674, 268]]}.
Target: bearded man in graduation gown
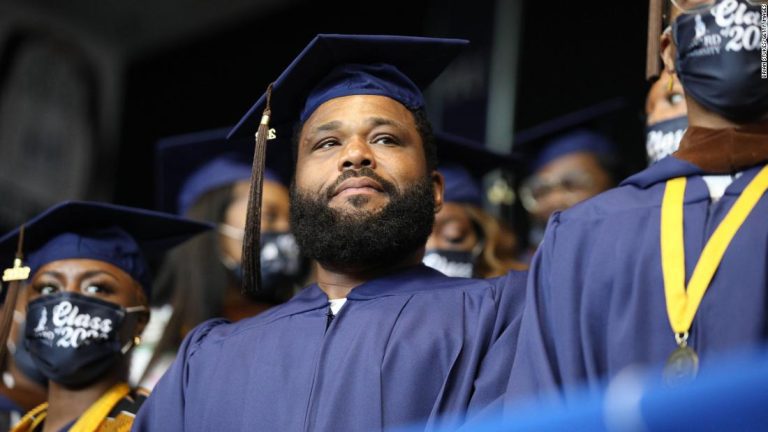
{"points": [[669, 268], [380, 340]]}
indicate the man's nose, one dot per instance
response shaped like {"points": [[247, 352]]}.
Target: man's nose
{"points": [[356, 155]]}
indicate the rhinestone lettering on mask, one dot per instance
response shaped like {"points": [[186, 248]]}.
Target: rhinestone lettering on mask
{"points": [[71, 328]]}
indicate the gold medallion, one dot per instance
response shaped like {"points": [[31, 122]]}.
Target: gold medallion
{"points": [[682, 366]]}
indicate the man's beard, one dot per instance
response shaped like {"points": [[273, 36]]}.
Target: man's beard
{"points": [[363, 238]]}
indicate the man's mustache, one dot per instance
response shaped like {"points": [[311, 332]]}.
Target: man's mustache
{"points": [[389, 188]]}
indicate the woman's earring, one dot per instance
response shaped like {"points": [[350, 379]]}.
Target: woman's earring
{"points": [[136, 340]]}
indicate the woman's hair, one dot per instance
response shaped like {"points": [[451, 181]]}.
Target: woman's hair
{"points": [[493, 260], [193, 278]]}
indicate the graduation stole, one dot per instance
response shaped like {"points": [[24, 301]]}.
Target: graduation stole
{"points": [[89, 421], [682, 304]]}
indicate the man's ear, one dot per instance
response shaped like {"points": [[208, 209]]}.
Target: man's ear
{"points": [[438, 183], [668, 52]]}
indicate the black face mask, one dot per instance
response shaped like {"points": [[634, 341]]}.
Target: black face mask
{"points": [[75, 339], [450, 263], [718, 60], [283, 267], [663, 138], [24, 361]]}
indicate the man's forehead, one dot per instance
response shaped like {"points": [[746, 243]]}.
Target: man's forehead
{"points": [[368, 110], [369, 121]]}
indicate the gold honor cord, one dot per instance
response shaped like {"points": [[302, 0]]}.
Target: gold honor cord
{"points": [[682, 304], [89, 421]]}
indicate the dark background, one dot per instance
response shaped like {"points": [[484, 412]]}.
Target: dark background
{"points": [[158, 68]]}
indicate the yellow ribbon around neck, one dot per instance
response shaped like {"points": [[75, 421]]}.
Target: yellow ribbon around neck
{"points": [[682, 304], [89, 421], [95, 415]]}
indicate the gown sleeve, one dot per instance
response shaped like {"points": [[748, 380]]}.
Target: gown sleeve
{"points": [[535, 372], [493, 374], [164, 409]]}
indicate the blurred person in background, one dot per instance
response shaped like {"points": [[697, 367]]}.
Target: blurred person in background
{"points": [[205, 177], [568, 163], [666, 117], [670, 267], [88, 284], [465, 240], [23, 386]]}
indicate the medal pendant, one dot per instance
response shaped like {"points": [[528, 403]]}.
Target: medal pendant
{"points": [[682, 366]]}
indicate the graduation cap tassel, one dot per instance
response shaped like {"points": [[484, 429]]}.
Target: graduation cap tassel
{"points": [[653, 60], [252, 239], [13, 276]]}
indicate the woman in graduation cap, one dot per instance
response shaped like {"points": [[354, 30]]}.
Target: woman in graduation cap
{"points": [[88, 280], [205, 177], [569, 162], [465, 239]]}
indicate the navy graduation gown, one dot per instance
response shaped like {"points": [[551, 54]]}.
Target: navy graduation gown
{"points": [[595, 298], [416, 346]]}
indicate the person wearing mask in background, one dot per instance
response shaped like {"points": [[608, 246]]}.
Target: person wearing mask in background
{"points": [[380, 340], [23, 386], [88, 284], [205, 177], [569, 163], [666, 117], [671, 265], [464, 238]]}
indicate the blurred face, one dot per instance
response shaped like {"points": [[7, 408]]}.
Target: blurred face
{"points": [[275, 214], [566, 181], [663, 103], [87, 277], [351, 133], [275, 208], [453, 230]]}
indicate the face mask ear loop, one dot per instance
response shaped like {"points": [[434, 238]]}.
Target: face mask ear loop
{"points": [[231, 231], [133, 342], [127, 347], [135, 309], [228, 262]]}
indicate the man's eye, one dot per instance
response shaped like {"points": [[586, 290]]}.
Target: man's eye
{"points": [[327, 144], [385, 139]]}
